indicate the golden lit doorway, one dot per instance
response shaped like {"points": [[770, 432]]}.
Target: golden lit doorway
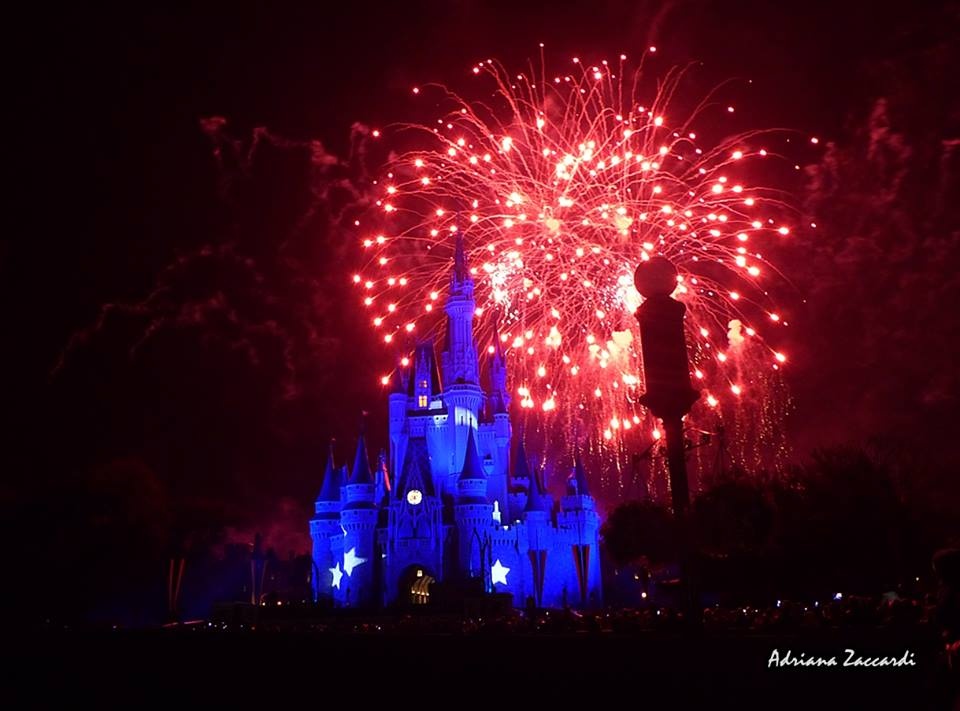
{"points": [[415, 585]]}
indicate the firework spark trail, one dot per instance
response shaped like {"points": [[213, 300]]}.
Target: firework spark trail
{"points": [[562, 185]]}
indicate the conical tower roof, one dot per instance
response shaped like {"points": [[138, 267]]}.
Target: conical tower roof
{"points": [[472, 466], [330, 489], [361, 465], [521, 467], [580, 476], [424, 365], [536, 500], [397, 386]]}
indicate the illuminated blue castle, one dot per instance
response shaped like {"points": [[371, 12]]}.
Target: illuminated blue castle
{"points": [[465, 510]]}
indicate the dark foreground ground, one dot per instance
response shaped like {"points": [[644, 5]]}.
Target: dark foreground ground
{"points": [[201, 665]]}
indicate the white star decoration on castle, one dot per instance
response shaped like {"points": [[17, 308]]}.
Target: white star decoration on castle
{"points": [[351, 560], [498, 573], [337, 575]]}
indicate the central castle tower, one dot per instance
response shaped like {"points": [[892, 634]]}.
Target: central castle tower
{"points": [[449, 504]]}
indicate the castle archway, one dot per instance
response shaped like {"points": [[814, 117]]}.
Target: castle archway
{"points": [[415, 583]]}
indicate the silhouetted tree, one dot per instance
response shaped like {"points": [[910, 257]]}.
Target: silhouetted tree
{"points": [[733, 517], [732, 525], [840, 524], [640, 532]]}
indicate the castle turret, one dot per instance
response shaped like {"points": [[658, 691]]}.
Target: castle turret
{"points": [[424, 387], [325, 526], [327, 504], [577, 484], [397, 404], [358, 519], [538, 502], [498, 486], [579, 521], [460, 354], [518, 482], [540, 537], [461, 394], [473, 513], [499, 398], [520, 472], [472, 482], [498, 407]]}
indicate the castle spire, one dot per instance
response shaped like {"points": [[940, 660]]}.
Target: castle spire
{"points": [[361, 464], [499, 400], [497, 343], [460, 272], [579, 477], [521, 467], [330, 489], [472, 466], [459, 355], [424, 381], [472, 484], [397, 384]]}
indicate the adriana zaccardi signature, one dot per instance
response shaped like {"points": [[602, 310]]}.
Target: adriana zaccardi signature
{"points": [[849, 658]]}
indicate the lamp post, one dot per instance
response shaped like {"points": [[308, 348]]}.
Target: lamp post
{"points": [[669, 395]]}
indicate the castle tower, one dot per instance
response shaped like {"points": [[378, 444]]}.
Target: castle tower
{"points": [[579, 521], [519, 482], [324, 528], [424, 387], [462, 394], [473, 514], [497, 488], [427, 416], [520, 473], [499, 398], [397, 406], [498, 405], [460, 353], [540, 537], [358, 519]]}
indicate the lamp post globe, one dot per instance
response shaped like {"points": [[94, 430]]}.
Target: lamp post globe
{"points": [[655, 277]]}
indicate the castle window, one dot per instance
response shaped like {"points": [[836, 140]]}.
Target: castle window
{"points": [[423, 384], [422, 401]]}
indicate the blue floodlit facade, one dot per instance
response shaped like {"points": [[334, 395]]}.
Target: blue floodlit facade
{"points": [[453, 501]]}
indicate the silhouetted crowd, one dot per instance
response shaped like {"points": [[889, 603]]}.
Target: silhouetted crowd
{"points": [[890, 611]]}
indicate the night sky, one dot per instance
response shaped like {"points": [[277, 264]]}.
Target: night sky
{"points": [[180, 333]]}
